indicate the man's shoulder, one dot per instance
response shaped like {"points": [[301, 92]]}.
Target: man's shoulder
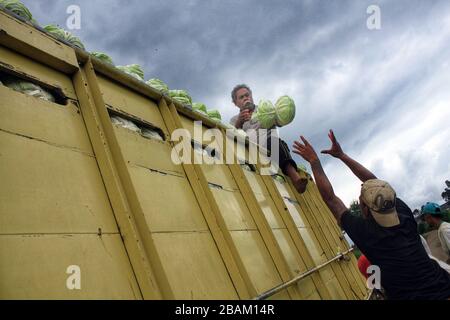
{"points": [[445, 226], [402, 208], [349, 220]]}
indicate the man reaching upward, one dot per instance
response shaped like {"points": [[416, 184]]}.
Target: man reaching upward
{"points": [[386, 234]]}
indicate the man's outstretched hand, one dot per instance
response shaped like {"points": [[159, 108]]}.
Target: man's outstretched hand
{"points": [[305, 150], [336, 150]]}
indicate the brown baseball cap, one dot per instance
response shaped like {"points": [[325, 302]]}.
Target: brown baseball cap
{"points": [[380, 197]]}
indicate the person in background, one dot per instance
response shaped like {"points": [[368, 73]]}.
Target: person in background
{"points": [[432, 214]]}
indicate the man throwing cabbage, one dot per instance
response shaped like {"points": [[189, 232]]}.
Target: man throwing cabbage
{"points": [[243, 99]]}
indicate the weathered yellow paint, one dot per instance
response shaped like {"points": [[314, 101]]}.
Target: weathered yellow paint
{"points": [[300, 243], [233, 209], [312, 214], [141, 151], [156, 191], [311, 205], [78, 187], [194, 266], [92, 106], [29, 41], [41, 193], [296, 264], [35, 267], [45, 121], [257, 261], [312, 232], [30, 69], [215, 222], [328, 226], [131, 103], [219, 175]]}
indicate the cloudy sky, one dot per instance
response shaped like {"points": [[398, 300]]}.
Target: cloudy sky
{"points": [[385, 92]]}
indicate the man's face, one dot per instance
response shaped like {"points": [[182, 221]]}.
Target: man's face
{"points": [[244, 99], [429, 220]]}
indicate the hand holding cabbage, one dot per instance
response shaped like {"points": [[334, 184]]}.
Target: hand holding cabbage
{"points": [[279, 115]]}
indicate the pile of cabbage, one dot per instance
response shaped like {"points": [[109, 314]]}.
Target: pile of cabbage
{"points": [[200, 107], [27, 88], [281, 114], [18, 8], [103, 57], [130, 125], [158, 85], [133, 70], [64, 35], [213, 114], [182, 96]]}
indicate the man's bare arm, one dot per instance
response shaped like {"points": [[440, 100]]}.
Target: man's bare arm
{"points": [[335, 204], [358, 169]]}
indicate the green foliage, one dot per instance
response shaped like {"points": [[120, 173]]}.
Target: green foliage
{"points": [[355, 208], [18, 8], [214, 115], [265, 114], [133, 70], [280, 114], [64, 35], [158, 85], [357, 253], [285, 108], [446, 216], [182, 96], [200, 107], [103, 56], [446, 194]]}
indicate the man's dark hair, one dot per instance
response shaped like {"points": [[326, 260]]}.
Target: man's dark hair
{"points": [[236, 89]]}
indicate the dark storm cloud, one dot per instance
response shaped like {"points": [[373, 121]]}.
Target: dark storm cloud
{"points": [[370, 86]]}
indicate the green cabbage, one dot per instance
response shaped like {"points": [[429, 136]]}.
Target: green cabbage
{"points": [[285, 111], [64, 35], [151, 134], [158, 85], [265, 114], [125, 123], [200, 107], [133, 70], [28, 88], [18, 8], [281, 114], [214, 115], [182, 96], [103, 57]]}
